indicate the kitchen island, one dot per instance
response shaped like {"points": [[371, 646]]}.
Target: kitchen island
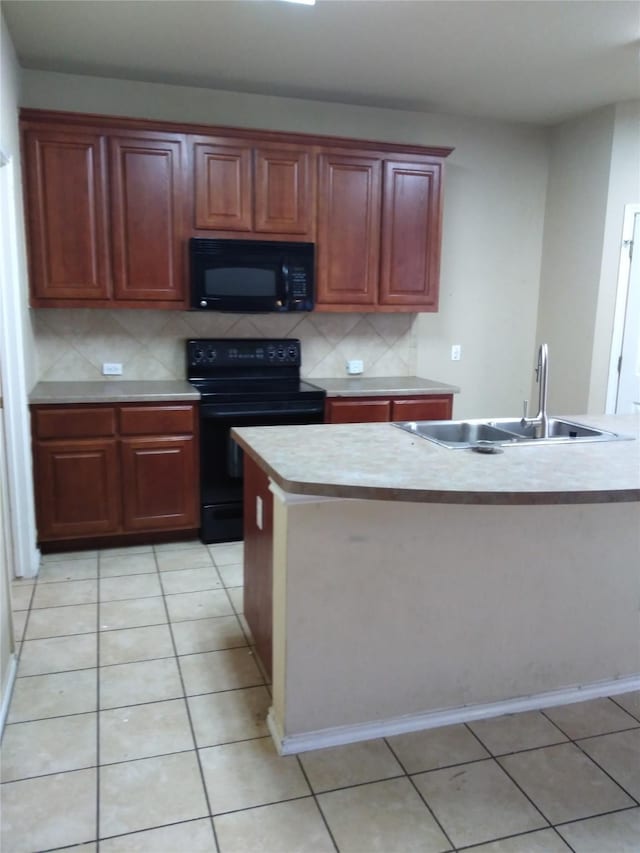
{"points": [[416, 586]]}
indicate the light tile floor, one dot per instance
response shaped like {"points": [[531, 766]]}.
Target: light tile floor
{"points": [[138, 724]]}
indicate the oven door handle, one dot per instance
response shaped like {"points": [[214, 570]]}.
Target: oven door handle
{"points": [[311, 409]]}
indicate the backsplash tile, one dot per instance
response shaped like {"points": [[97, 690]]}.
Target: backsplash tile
{"points": [[72, 344]]}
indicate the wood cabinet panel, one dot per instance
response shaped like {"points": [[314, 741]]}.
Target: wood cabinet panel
{"points": [[356, 411], [147, 199], [74, 422], [157, 420], [410, 235], [258, 560], [111, 203], [349, 189], [65, 180], [350, 410], [283, 197], [422, 409], [223, 185], [159, 481], [77, 490], [144, 477]]}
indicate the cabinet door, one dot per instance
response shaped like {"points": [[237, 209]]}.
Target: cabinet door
{"points": [[348, 230], [65, 177], [77, 488], [147, 218], [354, 411], [411, 225], [160, 483], [422, 409], [258, 559], [283, 198], [223, 185]]}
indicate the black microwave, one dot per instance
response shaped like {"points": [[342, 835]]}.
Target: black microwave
{"points": [[251, 275]]}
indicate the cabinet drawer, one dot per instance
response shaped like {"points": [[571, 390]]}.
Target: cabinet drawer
{"points": [[358, 411], [429, 409], [156, 420], [80, 422]]}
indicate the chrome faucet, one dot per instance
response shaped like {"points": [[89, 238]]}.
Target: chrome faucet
{"points": [[541, 421]]}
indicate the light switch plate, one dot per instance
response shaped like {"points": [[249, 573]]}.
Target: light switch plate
{"points": [[111, 369], [354, 366]]}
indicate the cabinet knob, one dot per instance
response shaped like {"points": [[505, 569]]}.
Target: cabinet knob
{"points": [[203, 303]]}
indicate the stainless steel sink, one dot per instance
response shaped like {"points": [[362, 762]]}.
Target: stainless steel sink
{"points": [[557, 428], [501, 432], [457, 433]]}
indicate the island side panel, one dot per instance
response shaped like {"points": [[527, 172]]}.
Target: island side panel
{"points": [[258, 558], [392, 609]]}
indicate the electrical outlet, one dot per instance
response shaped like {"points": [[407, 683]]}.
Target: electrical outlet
{"points": [[111, 369], [355, 366], [456, 352]]}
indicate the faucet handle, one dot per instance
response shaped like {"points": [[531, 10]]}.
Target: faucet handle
{"points": [[525, 408]]}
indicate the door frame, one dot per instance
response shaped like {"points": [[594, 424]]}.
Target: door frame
{"points": [[622, 293], [23, 551]]}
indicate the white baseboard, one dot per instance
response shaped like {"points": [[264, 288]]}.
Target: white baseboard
{"points": [[339, 735], [7, 690]]}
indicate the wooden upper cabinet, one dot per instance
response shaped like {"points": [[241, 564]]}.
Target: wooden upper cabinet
{"points": [[147, 202], [65, 178], [223, 181], [239, 187], [410, 234], [349, 192], [112, 202], [283, 191]]}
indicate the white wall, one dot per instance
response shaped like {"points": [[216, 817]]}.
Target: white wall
{"points": [[494, 208], [572, 254], [17, 364], [624, 188]]}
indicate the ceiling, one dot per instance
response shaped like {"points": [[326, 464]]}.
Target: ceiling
{"points": [[542, 61]]}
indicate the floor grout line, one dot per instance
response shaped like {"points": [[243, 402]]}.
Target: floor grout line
{"points": [[194, 739]]}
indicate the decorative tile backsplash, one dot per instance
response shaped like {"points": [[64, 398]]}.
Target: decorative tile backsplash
{"points": [[72, 344]]}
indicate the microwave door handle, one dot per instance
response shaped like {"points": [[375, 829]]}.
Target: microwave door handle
{"points": [[285, 279]]}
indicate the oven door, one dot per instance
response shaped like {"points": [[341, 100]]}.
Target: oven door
{"points": [[221, 458]]}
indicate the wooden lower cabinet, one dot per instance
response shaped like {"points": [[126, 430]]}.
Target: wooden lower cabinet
{"points": [[158, 482], [77, 488], [258, 559], [111, 471], [352, 410]]}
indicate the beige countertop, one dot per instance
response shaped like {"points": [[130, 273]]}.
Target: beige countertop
{"points": [[362, 386], [381, 462], [113, 391]]}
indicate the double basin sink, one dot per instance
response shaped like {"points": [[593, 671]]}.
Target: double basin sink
{"points": [[489, 435]]}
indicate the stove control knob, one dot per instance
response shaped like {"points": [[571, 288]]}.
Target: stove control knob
{"points": [[211, 355], [271, 353], [292, 352], [197, 355], [280, 352]]}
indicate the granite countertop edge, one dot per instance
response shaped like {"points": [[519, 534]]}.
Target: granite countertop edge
{"points": [[110, 391], [379, 386], [376, 462]]}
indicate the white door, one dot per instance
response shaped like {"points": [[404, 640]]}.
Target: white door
{"points": [[628, 392]]}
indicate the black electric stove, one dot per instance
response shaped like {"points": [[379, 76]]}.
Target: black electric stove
{"points": [[242, 382]]}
